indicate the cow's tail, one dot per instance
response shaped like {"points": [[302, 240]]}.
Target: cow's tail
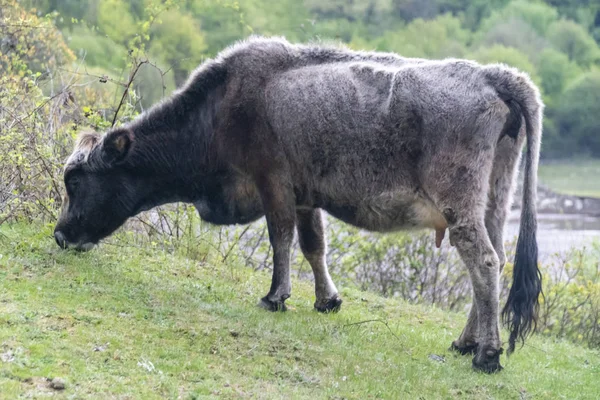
{"points": [[521, 310]]}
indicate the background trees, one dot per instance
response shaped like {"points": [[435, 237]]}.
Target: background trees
{"points": [[555, 41]]}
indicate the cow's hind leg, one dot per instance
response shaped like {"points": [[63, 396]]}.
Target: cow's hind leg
{"points": [[461, 195], [499, 198], [474, 246], [467, 342], [311, 236], [501, 190]]}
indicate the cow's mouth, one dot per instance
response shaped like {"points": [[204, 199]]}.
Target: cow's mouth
{"points": [[63, 243]]}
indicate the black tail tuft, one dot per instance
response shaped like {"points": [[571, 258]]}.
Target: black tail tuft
{"points": [[521, 310]]}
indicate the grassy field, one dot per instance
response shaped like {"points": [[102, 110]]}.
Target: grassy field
{"points": [[126, 322], [581, 178]]}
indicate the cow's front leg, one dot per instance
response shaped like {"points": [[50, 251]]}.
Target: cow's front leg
{"points": [[279, 205], [311, 236]]}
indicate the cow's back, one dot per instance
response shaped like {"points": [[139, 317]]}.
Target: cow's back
{"points": [[335, 118], [362, 138]]}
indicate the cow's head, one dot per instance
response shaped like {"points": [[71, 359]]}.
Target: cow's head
{"points": [[100, 191]]}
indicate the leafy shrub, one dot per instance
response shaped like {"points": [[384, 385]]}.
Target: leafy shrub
{"points": [[571, 307], [29, 120]]}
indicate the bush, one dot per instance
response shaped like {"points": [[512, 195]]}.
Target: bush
{"points": [[30, 148], [571, 307]]}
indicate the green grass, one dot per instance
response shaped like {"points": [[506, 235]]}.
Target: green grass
{"points": [[127, 322], [579, 178]]}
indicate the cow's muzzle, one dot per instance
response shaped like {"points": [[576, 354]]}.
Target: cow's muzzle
{"points": [[61, 240], [63, 243]]}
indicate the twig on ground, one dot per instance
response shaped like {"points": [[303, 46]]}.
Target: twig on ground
{"points": [[383, 321]]}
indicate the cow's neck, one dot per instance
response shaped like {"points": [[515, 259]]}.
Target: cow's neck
{"points": [[172, 149]]}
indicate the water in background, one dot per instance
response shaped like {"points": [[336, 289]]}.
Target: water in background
{"points": [[559, 233]]}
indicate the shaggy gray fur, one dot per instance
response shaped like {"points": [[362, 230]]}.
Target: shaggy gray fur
{"points": [[379, 141]]}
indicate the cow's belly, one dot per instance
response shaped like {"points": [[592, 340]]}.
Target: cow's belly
{"points": [[231, 213], [387, 213]]}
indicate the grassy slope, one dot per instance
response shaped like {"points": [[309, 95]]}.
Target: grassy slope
{"points": [[133, 323], [572, 177]]}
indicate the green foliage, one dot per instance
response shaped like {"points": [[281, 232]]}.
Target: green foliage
{"points": [[29, 43], [39, 118], [178, 40], [577, 114], [179, 34], [571, 307], [437, 38], [222, 22], [515, 33], [573, 40], [116, 20], [537, 15], [96, 49], [375, 13], [555, 71], [153, 83], [283, 17], [28, 174]]}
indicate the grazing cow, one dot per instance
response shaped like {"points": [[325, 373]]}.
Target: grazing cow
{"points": [[379, 141]]}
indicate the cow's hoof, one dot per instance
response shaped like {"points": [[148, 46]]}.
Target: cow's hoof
{"points": [[329, 305], [272, 305], [467, 348], [488, 360]]}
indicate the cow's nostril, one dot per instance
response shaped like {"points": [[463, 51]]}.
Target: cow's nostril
{"points": [[60, 239]]}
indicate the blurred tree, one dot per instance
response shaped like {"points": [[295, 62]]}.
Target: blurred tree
{"points": [[436, 38], [95, 48], [345, 31], [69, 11], [573, 40], [366, 11], [283, 17], [577, 116], [116, 20], [222, 23], [375, 15], [471, 12], [535, 14], [556, 71], [585, 12], [178, 40], [552, 40], [153, 83], [409, 10], [513, 32], [521, 24]]}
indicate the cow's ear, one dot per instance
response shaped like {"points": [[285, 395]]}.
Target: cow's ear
{"points": [[116, 144]]}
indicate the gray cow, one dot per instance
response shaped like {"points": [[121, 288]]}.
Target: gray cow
{"points": [[379, 141]]}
